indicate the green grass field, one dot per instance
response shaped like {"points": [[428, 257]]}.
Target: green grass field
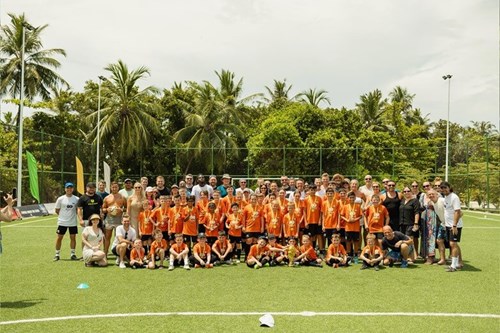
{"points": [[34, 287]]}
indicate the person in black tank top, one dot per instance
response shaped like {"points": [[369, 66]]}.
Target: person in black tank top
{"points": [[392, 201]]}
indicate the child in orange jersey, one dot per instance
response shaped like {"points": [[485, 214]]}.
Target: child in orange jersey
{"points": [[351, 214], [146, 225], [273, 220], [222, 249], [176, 216], [330, 216], [160, 216], [201, 257], [234, 225], [190, 228], [202, 208], [137, 255], [211, 223], [157, 251], [377, 217], [371, 254], [276, 251], [336, 255], [308, 256], [313, 204], [259, 254], [292, 251], [253, 223], [178, 253]]}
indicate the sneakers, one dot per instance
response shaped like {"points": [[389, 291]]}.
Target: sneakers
{"points": [[451, 269], [256, 266], [117, 261], [122, 265], [363, 267], [187, 268], [404, 264], [170, 268], [56, 258], [74, 257], [376, 268]]}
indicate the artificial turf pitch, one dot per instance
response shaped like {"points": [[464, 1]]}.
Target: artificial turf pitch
{"points": [[232, 298]]}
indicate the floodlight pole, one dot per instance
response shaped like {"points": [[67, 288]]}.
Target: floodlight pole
{"points": [[21, 109], [101, 79], [447, 77]]}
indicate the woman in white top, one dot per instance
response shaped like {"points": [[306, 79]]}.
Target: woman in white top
{"points": [[92, 239]]}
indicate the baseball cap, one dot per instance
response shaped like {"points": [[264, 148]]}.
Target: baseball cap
{"points": [[149, 189], [202, 235], [91, 184], [68, 184], [127, 180], [266, 320], [226, 175]]}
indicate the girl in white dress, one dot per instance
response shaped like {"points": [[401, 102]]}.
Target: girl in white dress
{"points": [[92, 239]]}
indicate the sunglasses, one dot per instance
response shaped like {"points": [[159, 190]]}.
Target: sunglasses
{"points": [[376, 186], [414, 186], [427, 186], [126, 234], [138, 187], [406, 191], [368, 179], [391, 185]]}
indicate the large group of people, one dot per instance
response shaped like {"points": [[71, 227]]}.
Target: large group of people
{"points": [[332, 221]]}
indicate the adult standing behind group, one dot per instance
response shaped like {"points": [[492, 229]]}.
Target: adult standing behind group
{"points": [[160, 186], [409, 216], [367, 189], [113, 206], [66, 220], [135, 204], [391, 199], [101, 189], [433, 222], [89, 204], [226, 181], [243, 185], [6, 213], [127, 189], [201, 186]]}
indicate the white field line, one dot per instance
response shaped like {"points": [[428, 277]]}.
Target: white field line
{"points": [[294, 314], [43, 219]]}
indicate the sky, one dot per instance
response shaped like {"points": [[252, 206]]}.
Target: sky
{"points": [[347, 48]]}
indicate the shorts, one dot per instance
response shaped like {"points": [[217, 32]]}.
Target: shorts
{"points": [[378, 235], [211, 240], [177, 262], [352, 235], [145, 238], [165, 235], [61, 230], [328, 233], [190, 239], [171, 237], [313, 230], [340, 232], [234, 239], [408, 231], [127, 252], [252, 235], [394, 255], [111, 222], [451, 237]]}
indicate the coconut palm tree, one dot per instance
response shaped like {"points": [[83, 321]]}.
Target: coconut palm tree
{"points": [[40, 65], [127, 122], [278, 94], [371, 110], [313, 97]]}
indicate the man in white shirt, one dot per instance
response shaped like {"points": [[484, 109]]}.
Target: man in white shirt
{"points": [[367, 189], [453, 223], [124, 239], [127, 189], [67, 219], [200, 187]]}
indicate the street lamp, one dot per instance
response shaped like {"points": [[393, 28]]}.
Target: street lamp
{"points": [[101, 79], [447, 77], [21, 109]]}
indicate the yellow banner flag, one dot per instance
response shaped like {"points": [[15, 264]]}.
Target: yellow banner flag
{"points": [[79, 177]]}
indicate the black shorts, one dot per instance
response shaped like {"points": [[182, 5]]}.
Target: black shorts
{"points": [[145, 238], [189, 238], [127, 252], [378, 235], [234, 239], [328, 233], [453, 238], [408, 231], [171, 237], [252, 235], [211, 240], [165, 235], [61, 230], [352, 235], [341, 232], [313, 230]]}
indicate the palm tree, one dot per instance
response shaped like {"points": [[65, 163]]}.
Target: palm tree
{"points": [[401, 97], [127, 123], [206, 123], [313, 97], [279, 94], [371, 109], [39, 74], [483, 128]]}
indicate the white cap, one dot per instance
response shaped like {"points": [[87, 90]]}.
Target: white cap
{"points": [[149, 189], [266, 320]]}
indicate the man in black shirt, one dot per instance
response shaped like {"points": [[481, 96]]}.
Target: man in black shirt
{"points": [[88, 204], [397, 245]]}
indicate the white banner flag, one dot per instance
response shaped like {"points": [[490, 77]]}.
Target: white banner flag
{"points": [[107, 175]]}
